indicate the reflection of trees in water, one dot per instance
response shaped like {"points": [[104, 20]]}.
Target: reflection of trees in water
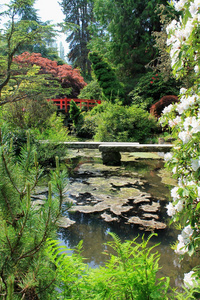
{"points": [[94, 233], [142, 165]]}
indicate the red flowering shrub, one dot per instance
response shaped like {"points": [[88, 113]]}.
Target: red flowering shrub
{"points": [[68, 77], [157, 108]]}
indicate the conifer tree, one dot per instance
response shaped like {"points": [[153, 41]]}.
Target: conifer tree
{"points": [[127, 26], [106, 77], [25, 272], [78, 13]]}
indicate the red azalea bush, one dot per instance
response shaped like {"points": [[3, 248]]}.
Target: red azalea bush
{"points": [[66, 75]]}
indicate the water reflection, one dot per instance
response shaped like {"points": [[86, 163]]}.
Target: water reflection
{"points": [[94, 231]]}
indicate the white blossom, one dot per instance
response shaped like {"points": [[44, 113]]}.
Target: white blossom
{"points": [[187, 123], [195, 163], [185, 103], [196, 69], [189, 279], [183, 91], [174, 170], [194, 7], [170, 210], [181, 42], [181, 249], [171, 26], [187, 233], [179, 206], [167, 109], [195, 124], [174, 193], [185, 136], [180, 5], [168, 156]]}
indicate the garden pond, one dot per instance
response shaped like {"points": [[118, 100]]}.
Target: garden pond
{"points": [[129, 200]]}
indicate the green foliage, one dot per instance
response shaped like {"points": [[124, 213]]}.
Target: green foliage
{"points": [[75, 114], [123, 123], [78, 16], [129, 273], [52, 129], [106, 77], [162, 62], [25, 270], [16, 34], [88, 127], [29, 114], [91, 91], [151, 88], [46, 127], [124, 34]]}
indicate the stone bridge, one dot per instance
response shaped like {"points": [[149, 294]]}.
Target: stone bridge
{"points": [[111, 150]]}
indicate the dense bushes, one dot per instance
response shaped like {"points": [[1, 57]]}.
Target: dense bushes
{"points": [[92, 91], [151, 88], [124, 123], [42, 127]]}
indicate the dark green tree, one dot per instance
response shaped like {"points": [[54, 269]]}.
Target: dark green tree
{"points": [[106, 77], [128, 25], [78, 13], [75, 114]]}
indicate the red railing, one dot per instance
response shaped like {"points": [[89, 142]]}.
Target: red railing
{"points": [[64, 104]]}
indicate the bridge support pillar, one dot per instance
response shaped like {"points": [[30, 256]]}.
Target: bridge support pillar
{"points": [[111, 158]]}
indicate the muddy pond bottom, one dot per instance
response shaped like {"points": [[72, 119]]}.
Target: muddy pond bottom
{"points": [[129, 201]]}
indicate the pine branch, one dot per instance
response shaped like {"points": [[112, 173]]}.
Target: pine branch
{"points": [[8, 173], [39, 245]]}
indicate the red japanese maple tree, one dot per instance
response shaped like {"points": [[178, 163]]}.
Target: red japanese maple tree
{"points": [[65, 74]]}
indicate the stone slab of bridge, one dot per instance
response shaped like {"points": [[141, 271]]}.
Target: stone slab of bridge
{"points": [[111, 151]]}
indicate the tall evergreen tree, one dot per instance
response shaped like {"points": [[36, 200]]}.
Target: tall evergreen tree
{"points": [[80, 14], [129, 25]]}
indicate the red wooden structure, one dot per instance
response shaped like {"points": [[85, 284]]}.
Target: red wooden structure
{"points": [[64, 103]]}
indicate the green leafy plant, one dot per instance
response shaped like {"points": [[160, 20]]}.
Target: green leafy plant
{"points": [[91, 91], [129, 273], [52, 131], [88, 127], [124, 123]]}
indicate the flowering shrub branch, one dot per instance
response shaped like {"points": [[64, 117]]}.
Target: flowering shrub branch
{"points": [[184, 120]]}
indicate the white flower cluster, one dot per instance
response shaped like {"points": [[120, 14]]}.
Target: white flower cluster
{"points": [[195, 163], [190, 280], [188, 125], [184, 118], [180, 33], [183, 240], [178, 207]]}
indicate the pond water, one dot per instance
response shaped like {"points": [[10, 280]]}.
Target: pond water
{"points": [[93, 185]]}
